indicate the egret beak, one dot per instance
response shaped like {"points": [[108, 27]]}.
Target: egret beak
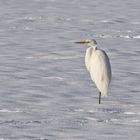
{"points": [[81, 42]]}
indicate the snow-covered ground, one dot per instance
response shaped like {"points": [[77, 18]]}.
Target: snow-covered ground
{"points": [[46, 92]]}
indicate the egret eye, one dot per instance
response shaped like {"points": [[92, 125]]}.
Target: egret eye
{"points": [[94, 41]]}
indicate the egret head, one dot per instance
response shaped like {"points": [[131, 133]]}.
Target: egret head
{"points": [[89, 42]]}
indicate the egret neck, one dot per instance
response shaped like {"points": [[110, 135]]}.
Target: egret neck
{"points": [[92, 45]]}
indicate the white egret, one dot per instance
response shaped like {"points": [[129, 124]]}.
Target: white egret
{"points": [[98, 65]]}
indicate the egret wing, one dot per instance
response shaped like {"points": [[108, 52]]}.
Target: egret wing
{"points": [[100, 71]]}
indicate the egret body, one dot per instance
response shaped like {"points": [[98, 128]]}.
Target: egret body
{"points": [[98, 65]]}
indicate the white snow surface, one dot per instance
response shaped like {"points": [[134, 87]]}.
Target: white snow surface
{"points": [[46, 92]]}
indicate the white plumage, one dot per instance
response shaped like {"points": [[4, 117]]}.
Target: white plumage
{"points": [[98, 65]]}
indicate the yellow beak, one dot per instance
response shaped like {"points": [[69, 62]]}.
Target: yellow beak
{"points": [[81, 42]]}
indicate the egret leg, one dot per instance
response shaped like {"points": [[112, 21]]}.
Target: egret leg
{"points": [[99, 97]]}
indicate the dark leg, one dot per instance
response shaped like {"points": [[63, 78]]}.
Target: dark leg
{"points": [[99, 97]]}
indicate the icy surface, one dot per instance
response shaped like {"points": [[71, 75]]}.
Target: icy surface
{"points": [[46, 92]]}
